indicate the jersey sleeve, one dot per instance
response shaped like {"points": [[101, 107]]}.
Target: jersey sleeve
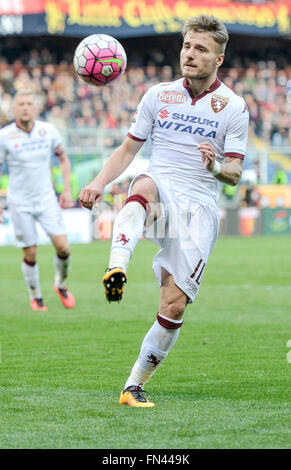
{"points": [[2, 150], [56, 140], [143, 118], [236, 139]]}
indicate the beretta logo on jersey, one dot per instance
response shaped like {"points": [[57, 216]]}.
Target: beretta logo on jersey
{"points": [[218, 103], [172, 97], [14, 135], [134, 116]]}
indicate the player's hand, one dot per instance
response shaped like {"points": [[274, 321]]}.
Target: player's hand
{"points": [[66, 201], [207, 155], [91, 195]]}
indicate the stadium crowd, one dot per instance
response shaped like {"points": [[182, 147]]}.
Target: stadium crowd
{"points": [[68, 102], [264, 81]]}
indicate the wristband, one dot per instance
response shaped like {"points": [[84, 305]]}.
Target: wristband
{"points": [[216, 169]]}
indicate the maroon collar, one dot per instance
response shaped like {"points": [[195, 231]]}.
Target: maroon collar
{"points": [[24, 130], [212, 88]]}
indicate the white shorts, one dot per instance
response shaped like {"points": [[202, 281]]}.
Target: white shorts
{"points": [[24, 222], [187, 232]]}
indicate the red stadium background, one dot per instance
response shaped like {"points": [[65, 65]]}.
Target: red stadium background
{"points": [[37, 44], [126, 18]]}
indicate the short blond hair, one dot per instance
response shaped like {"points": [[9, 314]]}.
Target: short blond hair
{"points": [[207, 24], [24, 93]]}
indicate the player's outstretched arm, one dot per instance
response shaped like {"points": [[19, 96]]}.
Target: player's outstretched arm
{"points": [[1, 208], [66, 200], [229, 172], [116, 164]]}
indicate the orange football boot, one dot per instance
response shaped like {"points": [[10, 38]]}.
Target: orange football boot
{"points": [[37, 304], [113, 282], [66, 297], [134, 396]]}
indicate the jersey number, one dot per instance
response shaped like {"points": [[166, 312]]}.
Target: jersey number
{"points": [[197, 273]]}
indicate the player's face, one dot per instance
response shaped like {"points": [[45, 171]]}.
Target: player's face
{"points": [[200, 56], [24, 108]]}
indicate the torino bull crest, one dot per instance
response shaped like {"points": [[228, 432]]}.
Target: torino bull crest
{"points": [[99, 59]]}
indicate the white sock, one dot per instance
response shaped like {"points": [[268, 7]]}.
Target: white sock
{"points": [[119, 258], [31, 277], [155, 347], [62, 266], [127, 230]]}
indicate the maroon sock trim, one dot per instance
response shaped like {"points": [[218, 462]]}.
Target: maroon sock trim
{"points": [[168, 323], [63, 257], [29, 263], [138, 198]]}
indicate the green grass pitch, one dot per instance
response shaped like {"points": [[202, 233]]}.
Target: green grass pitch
{"points": [[225, 384]]}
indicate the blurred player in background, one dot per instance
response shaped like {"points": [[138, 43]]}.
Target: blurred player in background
{"points": [[199, 131], [27, 145]]}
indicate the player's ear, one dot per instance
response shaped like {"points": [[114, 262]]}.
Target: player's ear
{"points": [[219, 60]]}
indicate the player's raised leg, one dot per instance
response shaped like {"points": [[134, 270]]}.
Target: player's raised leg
{"points": [[30, 271], [157, 343], [127, 230], [62, 264]]}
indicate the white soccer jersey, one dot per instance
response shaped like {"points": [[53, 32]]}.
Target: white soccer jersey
{"points": [[28, 156], [178, 122]]}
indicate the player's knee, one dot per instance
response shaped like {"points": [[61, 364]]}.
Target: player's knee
{"points": [[62, 247], [146, 188], [173, 310], [30, 253], [63, 252]]}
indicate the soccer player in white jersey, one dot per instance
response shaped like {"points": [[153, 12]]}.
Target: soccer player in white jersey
{"points": [[27, 146], [198, 129]]}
